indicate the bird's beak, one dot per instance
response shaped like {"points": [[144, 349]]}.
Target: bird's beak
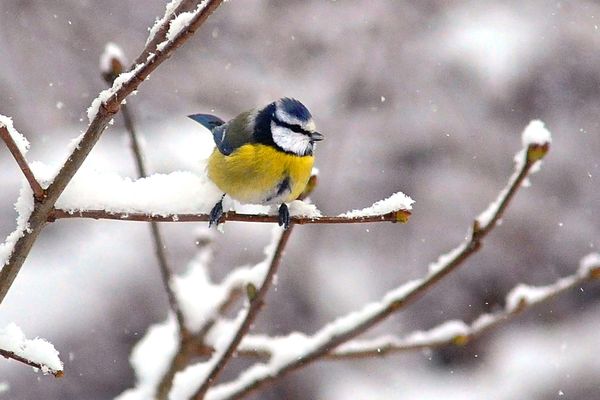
{"points": [[316, 137]]}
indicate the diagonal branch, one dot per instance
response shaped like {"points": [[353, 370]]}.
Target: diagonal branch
{"points": [[519, 299], [101, 112], [348, 327], [453, 332], [19, 157], [158, 32], [256, 300]]}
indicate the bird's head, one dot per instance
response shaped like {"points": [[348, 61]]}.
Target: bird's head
{"points": [[288, 125]]}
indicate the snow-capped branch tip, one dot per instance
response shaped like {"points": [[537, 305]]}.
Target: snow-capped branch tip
{"points": [[112, 62], [37, 353], [536, 139], [18, 146]]}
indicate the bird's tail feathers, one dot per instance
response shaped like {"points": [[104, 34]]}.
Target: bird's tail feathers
{"points": [[208, 121]]}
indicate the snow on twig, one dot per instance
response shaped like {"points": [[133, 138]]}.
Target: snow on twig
{"points": [[185, 196], [37, 353], [328, 338], [396, 202], [518, 300], [18, 146], [256, 290]]}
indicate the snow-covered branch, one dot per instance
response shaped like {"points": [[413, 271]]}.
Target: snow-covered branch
{"points": [[343, 329], [18, 145], [100, 113], [37, 353], [256, 293], [455, 332]]}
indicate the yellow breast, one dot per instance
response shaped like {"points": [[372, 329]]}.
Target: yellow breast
{"points": [[253, 173]]}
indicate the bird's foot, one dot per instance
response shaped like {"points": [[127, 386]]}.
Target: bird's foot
{"points": [[216, 213], [284, 216]]}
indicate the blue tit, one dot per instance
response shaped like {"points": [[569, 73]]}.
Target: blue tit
{"points": [[262, 156]]}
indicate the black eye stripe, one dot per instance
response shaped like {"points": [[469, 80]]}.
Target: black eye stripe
{"points": [[292, 127]]}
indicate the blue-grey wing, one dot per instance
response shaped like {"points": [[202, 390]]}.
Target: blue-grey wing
{"points": [[234, 134], [230, 135]]}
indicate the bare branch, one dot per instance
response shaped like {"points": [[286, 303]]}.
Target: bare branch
{"points": [[16, 357], [38, 191], [256, 300], [166, 271], [110, 102], [396, 216], [341, 330]]}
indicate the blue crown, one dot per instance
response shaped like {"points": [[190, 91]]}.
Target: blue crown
{"points": [[294, 108]]}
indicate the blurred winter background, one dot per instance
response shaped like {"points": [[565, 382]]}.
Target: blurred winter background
{"points": [[426, 97]]}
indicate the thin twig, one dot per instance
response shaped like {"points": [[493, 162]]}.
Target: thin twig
{"points": [[396, 216], [166, 271], [16, 357], [38, 191], [256, 301], [106, 112], [454, 260], [451, 332]]}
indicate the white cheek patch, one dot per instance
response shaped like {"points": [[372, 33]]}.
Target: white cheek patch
{"points": [[291, 141]]}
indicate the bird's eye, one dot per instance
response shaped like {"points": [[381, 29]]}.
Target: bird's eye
{"points": [[292, 127]]}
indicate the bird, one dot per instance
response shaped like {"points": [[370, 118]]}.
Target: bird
{"points": [[262, 156]]}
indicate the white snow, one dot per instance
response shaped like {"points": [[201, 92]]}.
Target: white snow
{"points": [[170, 8], [444, 332], [299, 208], [150, 359], [536, 134], [111, 52], [536, 294], [106, 94], [37, 350], [288, 349], [24, 204], [179, 192], [589, 263], [396, 202], [20, 140], [179, 23], [24, 207]]}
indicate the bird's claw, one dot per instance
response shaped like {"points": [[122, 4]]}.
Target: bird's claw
{"points": [[284, 216], [215, 214]]}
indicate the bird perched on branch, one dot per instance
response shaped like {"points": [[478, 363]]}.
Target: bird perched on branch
{"points": [[263, 156]]}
